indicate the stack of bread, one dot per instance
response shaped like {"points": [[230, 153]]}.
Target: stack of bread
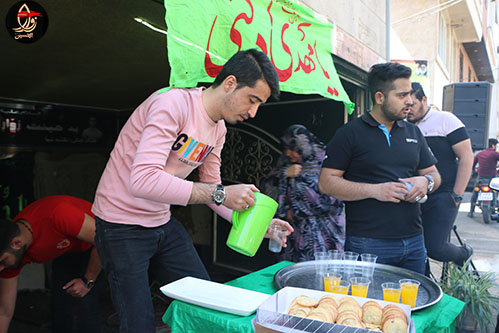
{"points": [[347, 311]]}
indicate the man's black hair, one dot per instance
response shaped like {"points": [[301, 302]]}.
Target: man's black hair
{"points": [[381, 77], [492, 142], [418, 91], [248, 67], [8, 230]]}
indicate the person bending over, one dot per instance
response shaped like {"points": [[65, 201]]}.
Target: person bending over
{"points": [[60, 228]]}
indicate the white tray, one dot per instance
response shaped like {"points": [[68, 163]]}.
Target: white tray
{"points": [[214, 295]]}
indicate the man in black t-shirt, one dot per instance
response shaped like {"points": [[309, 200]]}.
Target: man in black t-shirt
{"points": [[367, 162]]}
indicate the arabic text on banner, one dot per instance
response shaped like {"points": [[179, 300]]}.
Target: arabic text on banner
{"points": [[202, 35]]}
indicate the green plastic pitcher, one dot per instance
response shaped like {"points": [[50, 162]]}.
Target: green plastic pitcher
{"points": [[249, 227]]}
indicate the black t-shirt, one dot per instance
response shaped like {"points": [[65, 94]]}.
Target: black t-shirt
{"points": [[367, 155]]}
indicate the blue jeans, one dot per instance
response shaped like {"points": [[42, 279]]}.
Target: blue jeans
{"points": [[409, 253], [127, 252]]}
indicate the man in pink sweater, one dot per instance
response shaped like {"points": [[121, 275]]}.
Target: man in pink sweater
{"points": [[169, 135]]}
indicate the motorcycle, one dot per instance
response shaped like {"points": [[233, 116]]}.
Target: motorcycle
{"points": [[487, 200]]}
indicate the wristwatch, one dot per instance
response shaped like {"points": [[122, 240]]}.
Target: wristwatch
{"points": [[89, 283], [431, 183], [218, 195], [457, 198]]}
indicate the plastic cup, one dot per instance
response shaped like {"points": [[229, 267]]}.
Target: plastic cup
{"points": [[336, 263], [369, 261], [408, 185], [249, 227], [321, 262], [360, 286], [331, 279], [409, 188], [276, 233], [349, 262], [409, 291], [391, 292], [342, 287]]}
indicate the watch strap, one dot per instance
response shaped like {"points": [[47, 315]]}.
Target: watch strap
{"points": [[88, 283], [457, 198], [431, 182]]}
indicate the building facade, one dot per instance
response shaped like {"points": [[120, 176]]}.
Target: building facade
{"points": [[456, 39]]}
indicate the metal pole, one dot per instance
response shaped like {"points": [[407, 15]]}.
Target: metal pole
{"points": [[387, 30]]}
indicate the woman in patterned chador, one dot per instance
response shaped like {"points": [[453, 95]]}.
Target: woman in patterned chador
{"points": [[318, 219]]}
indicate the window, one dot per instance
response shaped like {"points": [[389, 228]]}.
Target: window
{"points": [[442, 39], [461, 60]]}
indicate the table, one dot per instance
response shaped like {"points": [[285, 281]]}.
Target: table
{"points": [[185, 317]]}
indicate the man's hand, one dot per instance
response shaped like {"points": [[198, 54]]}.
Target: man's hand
{"points": [[283, 225], [76, 288], [455, 202], [240, 197], [293, 170], [419, 188], [390, 191]]}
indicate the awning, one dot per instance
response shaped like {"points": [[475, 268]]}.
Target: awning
{"points": [[202, 35], [477, 52]]}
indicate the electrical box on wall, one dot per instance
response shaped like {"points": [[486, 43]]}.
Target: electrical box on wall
{"points": [[470, 102]]}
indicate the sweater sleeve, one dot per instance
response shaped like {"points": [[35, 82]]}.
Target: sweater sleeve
{"points": [[209, 171], [222, 211], [148, 179]]}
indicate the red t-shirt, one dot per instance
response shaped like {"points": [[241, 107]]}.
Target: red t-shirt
{"points": [[56, 221], [487, 162]]}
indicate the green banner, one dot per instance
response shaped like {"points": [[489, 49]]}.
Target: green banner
{"points": [[203, 34]]}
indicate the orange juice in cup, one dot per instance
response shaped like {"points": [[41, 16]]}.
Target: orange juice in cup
{"points": [[340, 288], [391, 292], [409, 291], [360, 286], [331, 279]]}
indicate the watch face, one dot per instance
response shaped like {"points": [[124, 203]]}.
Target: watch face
{"points": [[218, 196]]}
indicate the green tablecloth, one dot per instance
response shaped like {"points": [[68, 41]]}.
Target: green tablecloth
{"points": [[185, 317]]}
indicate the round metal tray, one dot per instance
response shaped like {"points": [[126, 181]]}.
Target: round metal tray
{"points": [[303, 275]]}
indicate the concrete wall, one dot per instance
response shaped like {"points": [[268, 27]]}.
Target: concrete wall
{"points": [[492, 41], [414, 36], [361, 26], [413, 33]]}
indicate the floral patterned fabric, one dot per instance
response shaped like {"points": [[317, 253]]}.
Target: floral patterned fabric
{"points": [[318, 219]]}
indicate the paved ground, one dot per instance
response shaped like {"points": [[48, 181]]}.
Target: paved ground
{"points": [[32, 311], [484, 238]]}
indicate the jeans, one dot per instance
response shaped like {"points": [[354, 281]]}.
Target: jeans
{"points": [[409, 253], [128, 251], [438, 215], [87, 309]]}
